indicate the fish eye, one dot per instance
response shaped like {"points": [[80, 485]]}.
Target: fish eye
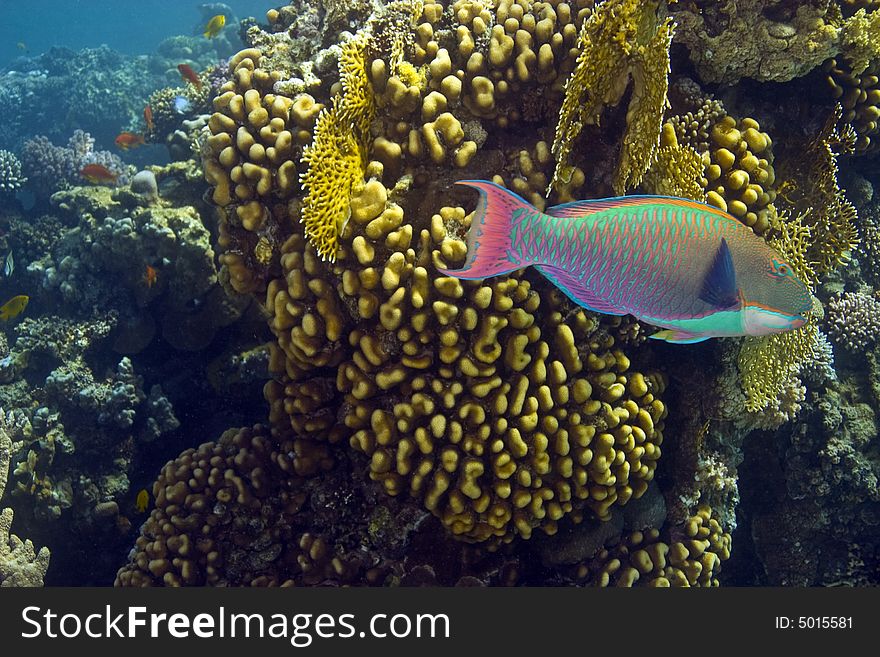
{"points": [[779, 270]]}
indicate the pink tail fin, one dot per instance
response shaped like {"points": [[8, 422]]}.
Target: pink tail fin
{"points": [[489, 239]]}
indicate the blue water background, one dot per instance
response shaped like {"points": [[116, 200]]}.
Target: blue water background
{"points": [[133, 27]]}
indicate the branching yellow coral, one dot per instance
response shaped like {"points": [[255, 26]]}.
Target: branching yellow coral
{"points": [[337, 156], [814, 191], [677, 170], [861, 39], [622, 39], [768, 364], [392, 27]]}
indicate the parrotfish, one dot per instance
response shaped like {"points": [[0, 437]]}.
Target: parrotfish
{"points": [[687, 267]]}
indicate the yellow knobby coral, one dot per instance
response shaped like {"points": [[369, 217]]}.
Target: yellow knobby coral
{"points": [[337, 156], [622, 39], [768, 364], [689, 555]]}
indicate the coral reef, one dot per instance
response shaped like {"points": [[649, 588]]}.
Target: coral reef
{"points": [[818, 522], [21, 564], [76, 427], [869, 242], [468, 415], [50, 167], [99, 263], [95, 89], [569, 425]]}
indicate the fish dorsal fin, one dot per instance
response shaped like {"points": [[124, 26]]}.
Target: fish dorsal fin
{"points": [[719, 285], [591, 206], [575, 290], [583, 208]]}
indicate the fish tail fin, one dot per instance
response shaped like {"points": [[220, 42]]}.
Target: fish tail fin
{"points": [[491, 251]]}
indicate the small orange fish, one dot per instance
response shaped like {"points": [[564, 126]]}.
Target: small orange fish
{"points": [[189, 75], [97, 174], [151, 276], [127, 140], [148, 118]]}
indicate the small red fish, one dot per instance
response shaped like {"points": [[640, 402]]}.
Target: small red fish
{"points": [[148, 118], [127, 140], [189, 75], [97, 174], [151, 276]]}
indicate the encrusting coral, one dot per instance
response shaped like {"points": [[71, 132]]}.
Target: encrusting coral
{"points": [[760, 39]]}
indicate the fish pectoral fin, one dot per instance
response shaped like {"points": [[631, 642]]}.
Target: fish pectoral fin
{"points": [[719, 286], [677, 336], [575, 290]]}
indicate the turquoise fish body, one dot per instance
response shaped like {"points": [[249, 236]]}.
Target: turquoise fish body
{"points": [[684, 266]]}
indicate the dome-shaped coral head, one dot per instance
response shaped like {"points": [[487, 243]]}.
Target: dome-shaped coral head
{"points": [[684, 266]]}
